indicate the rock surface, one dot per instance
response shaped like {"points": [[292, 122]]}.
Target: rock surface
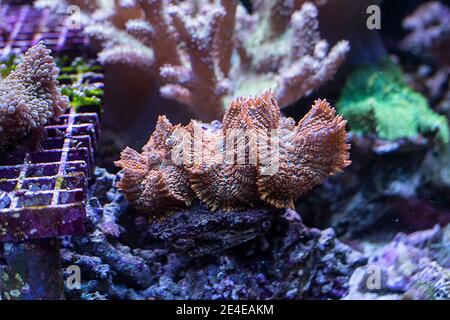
{"points": [[414, 266], [288, 261], [197, 231]]}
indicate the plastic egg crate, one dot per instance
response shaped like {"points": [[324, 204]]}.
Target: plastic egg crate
{"points": [[43, 193], [29, 25]]}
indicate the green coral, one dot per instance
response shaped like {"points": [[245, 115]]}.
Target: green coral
{"points": [[83, 95], [75, 79], [76, 66], [378, 99], [8, 65]]}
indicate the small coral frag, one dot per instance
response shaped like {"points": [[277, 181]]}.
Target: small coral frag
{"points": [[377, 99], [29, 96], [230, 176]]}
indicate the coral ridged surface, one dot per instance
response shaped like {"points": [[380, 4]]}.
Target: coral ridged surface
{"points": [[256, 157], [151, 180]]}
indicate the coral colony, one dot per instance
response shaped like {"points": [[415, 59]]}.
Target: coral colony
{"points": [[256, 155], [241, 191], [204, 55], [29, 96], [382, 102]]}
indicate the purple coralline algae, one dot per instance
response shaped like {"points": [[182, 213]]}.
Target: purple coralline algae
{"points": [[288, 261], [431, 283], [25, 24], [5, 200], [414, 266]]}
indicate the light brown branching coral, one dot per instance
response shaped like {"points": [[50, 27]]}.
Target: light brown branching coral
{"points": [[125, 10], [147, 36], [428, 38], [29, 96], [429, 32], [205, 53], [162, 39], [200, 84], [224, 40], [256, 157], [301, 62]]}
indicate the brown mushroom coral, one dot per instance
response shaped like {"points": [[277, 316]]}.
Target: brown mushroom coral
{"points": [[257, 156], [29, 96], [151, 180]]}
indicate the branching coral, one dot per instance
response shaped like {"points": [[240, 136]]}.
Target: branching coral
{"points": [[301, 62], [377, 99], [200, 85], [350, 20], [429, 31], [204, 53], [257, 156], [29, 96], [428, 39]]}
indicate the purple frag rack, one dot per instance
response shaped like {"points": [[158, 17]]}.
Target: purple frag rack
{"points": [[30, 25], [48, 188]]}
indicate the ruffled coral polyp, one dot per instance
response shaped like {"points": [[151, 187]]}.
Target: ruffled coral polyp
{"points": [[296, 159]]}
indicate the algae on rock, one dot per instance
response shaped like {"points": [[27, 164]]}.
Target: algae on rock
{"points": [[377, 99]]}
